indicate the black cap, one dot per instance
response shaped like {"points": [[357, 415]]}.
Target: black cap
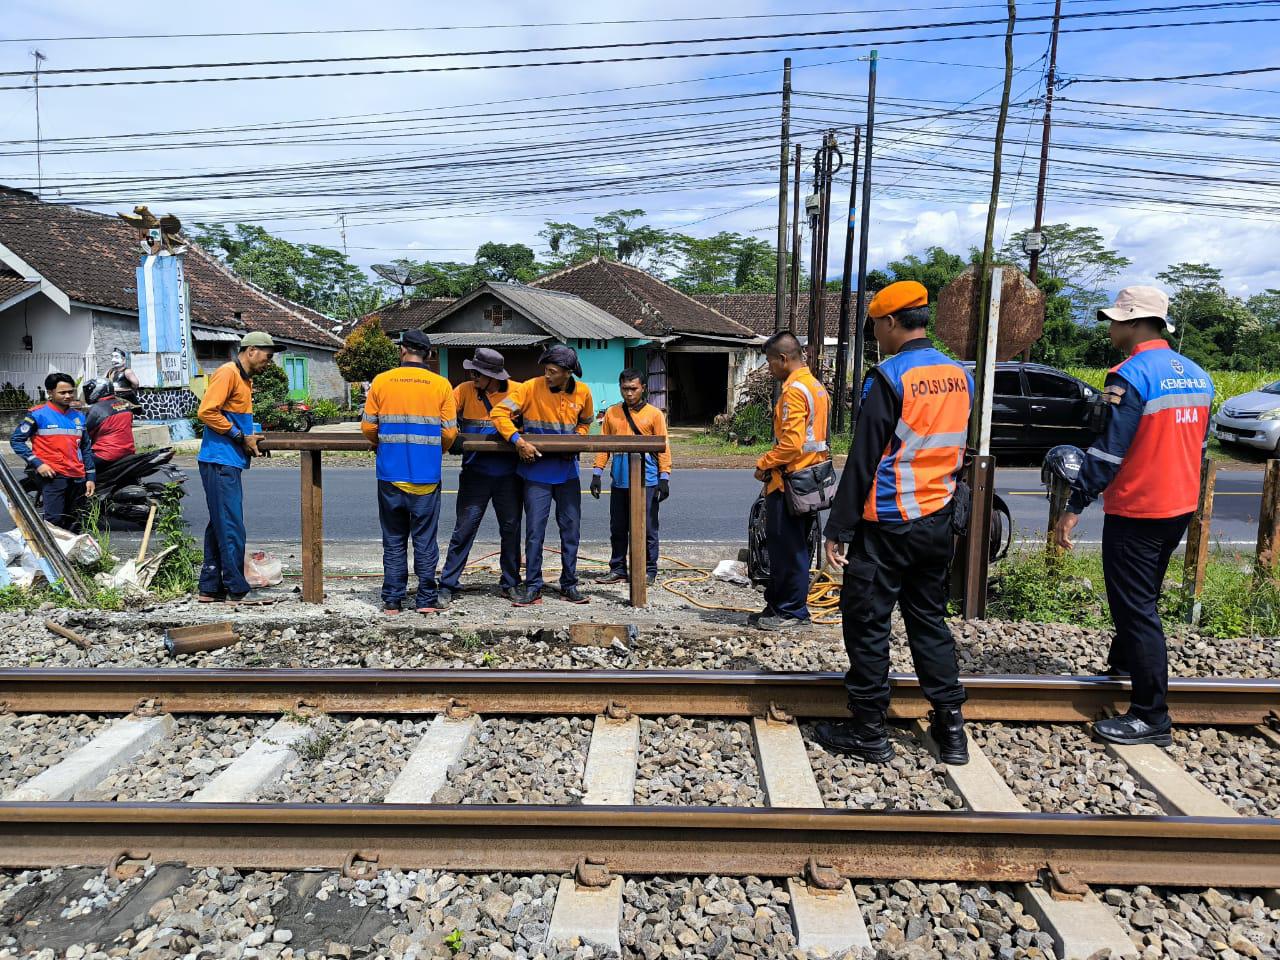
{"points": [[415, 340]]}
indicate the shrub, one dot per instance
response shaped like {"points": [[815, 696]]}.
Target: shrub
{"points": [[1031, 585], [368, 351], [326, 409]]}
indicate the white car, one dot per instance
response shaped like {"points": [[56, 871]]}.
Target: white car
{"points": [[1251, 419]]}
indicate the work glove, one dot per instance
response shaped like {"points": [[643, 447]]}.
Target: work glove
{"points": [[664, 490], [595, 487]]}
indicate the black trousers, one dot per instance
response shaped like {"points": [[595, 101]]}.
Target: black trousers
{"points": [[906, 564], [1135, 557], [620, 528], [787, 540]]}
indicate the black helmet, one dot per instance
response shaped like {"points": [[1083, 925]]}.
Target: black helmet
{"points": [[95, 390], [1062, 461]]}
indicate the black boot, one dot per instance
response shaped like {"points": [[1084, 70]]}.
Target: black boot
{"points": [[946, 726], [865, 736]]}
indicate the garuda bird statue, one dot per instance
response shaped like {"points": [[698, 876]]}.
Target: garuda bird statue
{"points": [[155, 234]]}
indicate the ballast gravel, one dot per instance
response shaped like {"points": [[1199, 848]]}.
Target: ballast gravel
{"points": [[514, 760], [913, 780], [293, 634], [1057, 768], [198, 749], [358, 762], [30, 743], [1242, 768], [697, 762], [1184, 924]]}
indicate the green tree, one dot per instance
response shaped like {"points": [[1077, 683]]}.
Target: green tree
{"points": [[1266, 307], [368, 351], [724, 263], [1079, 258], [506, 261], [314, 276], [935, 270], [617, 235]]}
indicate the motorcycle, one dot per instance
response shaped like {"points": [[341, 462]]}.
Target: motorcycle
{"points": [[127, 487]]}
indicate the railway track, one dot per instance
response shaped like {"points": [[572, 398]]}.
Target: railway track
{"points": [[992, 841]]}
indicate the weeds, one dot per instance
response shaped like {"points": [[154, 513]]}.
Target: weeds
{"points": [[454, 941], [177, 573], [315, 748]]}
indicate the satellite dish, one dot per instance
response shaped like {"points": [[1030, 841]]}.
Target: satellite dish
{"points": [[402, 275]]}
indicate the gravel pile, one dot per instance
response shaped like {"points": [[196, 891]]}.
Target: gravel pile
{"points": [[522, 761], [1182, 924], [293, 634], [948, 920], [913, 780], [1242, 768], [720, 918], [1057, 768], [697, 762], [360, 762], [32, 742], [199, 749]]}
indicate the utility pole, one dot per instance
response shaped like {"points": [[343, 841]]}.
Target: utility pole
{"points": [[833, 166], [39, 57], [859, 326], [346, 284], [784, 155], [1037, 240], [846, 278], [819, 207], [795, 248], [982, 464]]}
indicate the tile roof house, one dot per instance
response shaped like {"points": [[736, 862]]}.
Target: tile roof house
{"points": [[756, 311], [401, 315], [700, 358], [520, 321], [68, 297]]}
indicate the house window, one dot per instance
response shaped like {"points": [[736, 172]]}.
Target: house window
{"points": [[296, 369], [497, 315]]}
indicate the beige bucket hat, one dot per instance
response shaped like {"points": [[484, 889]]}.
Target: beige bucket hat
{"points": [[1134, 303]]}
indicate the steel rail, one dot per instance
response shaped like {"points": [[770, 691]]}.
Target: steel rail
{"points": [[979, 847], [1226, 702]]}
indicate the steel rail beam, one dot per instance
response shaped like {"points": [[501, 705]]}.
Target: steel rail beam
{"points": [[473, 443], [1222, 702], [975, 847]]}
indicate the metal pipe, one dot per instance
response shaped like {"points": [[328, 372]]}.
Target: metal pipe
{"points": [[846, 280], [780, 281], [859, 326]]}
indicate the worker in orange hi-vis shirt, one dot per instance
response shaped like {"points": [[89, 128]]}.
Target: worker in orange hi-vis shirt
{"points": [[410, 417], [633, 417]]}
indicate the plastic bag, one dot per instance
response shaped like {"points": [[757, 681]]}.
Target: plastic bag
{"points": [[732, 571], [77, 547], [12, 546], [262, 569]]}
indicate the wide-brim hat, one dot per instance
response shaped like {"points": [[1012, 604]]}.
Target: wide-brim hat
{"points": [[488, 362], [1137, 303]]}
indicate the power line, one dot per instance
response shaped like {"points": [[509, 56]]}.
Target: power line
{"points": [[1184, 76]]}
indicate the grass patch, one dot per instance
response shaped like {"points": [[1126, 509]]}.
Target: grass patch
{"points": [[1236, 600], [177, 574], [713, 445]]}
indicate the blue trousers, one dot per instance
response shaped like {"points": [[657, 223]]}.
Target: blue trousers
{"points": [[404, 515], [787, 592], [223, 568], [538, 498], [63, 501], [620, 525], [475, 491]]}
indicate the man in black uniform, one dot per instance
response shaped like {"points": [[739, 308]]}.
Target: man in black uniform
{"points": [[890, 529]]}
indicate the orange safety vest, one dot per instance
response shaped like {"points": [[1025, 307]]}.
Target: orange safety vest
{"points": [[800, 427], [916, 476]]}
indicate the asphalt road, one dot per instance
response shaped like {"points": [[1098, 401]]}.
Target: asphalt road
{"points": [[705, 506]]}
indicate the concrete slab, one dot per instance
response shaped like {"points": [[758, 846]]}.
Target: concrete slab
{"points": [[258, 766], [150, 435], [1080, 928], [977, 781], [785, 771], [587, 913], [827, 920], [428, 766], [1178, 791], [88, 766], [610, 776]]}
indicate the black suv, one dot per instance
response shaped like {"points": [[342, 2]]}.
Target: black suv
{"points": [[1036, 407]]}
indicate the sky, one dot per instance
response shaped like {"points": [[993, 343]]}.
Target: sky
{"points": [[429, 165]]}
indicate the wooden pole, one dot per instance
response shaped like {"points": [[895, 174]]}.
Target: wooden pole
{"points": [[1059, 493], [1198, 541], [1269, 518], [312, 527], [780, 281], [146, 534], [637, 562]]}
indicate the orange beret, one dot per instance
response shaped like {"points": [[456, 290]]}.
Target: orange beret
{"points": [[902, 295]]}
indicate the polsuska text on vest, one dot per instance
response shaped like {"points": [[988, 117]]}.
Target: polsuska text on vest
{"points": [[947, 385]]}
